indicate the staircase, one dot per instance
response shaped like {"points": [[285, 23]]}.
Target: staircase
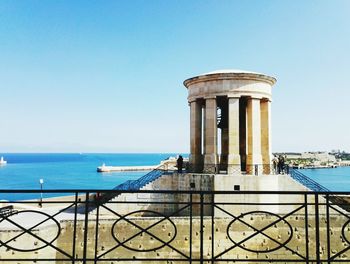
{"points": [[132, 185]]}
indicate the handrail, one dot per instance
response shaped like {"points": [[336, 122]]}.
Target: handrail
{"points": [[306, 181], [142, 181], [316, 187], [133, 185], [233, 168]]}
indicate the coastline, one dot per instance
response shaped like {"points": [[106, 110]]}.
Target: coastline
{"points": [[69, 171], [57, 202]]}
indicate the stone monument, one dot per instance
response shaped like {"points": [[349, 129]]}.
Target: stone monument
{"points": [[234, 107]]}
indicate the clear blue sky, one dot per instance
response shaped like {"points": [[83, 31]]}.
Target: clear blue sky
{"points": [[106, 76]]}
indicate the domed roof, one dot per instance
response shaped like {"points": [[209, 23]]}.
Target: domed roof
{"points": [[230, 74]]}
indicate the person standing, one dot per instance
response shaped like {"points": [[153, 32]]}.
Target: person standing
{"points": [[283, 165], [179, 164], [280, 164], [275, 163]]}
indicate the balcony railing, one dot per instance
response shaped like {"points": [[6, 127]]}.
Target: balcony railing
{"points": [[250, 169], [175, 226]]}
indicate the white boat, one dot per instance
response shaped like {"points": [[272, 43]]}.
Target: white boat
{"points": [[2, 161]]}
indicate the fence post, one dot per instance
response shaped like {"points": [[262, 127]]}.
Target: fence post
{"points": [[191, 222], [96, 232], [306, 228], [75, 226], [328, 230], [212, 228], [201, 227], [317, 227], [86, 226]]}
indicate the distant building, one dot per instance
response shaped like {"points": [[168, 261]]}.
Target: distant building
{"points": [[322, 157]]}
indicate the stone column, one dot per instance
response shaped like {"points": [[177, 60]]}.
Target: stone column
{"points": [[234, 158], [265, 106], [254, 158], [243, 132], [196, 158], [224, 149], [210, 134]]}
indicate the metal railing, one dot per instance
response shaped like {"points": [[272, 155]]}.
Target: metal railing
{"points": [[250, 169], [145, 179], [306, 181], [316, 187], [177, 227], [129, 185]]}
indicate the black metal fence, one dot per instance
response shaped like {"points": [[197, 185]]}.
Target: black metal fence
{"points": [[177, 227]]}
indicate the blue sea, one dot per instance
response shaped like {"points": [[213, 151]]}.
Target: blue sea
{"points": [[68, 171]]}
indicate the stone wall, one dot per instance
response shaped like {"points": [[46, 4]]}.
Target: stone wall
{"points": [[208, 182], [269, 202], [148, 201]]}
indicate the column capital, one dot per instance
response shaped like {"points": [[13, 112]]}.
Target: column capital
{"points": [[191, 100], [195, 100], [234, 96], [209, 97], [256, 97], [265, 99]]}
